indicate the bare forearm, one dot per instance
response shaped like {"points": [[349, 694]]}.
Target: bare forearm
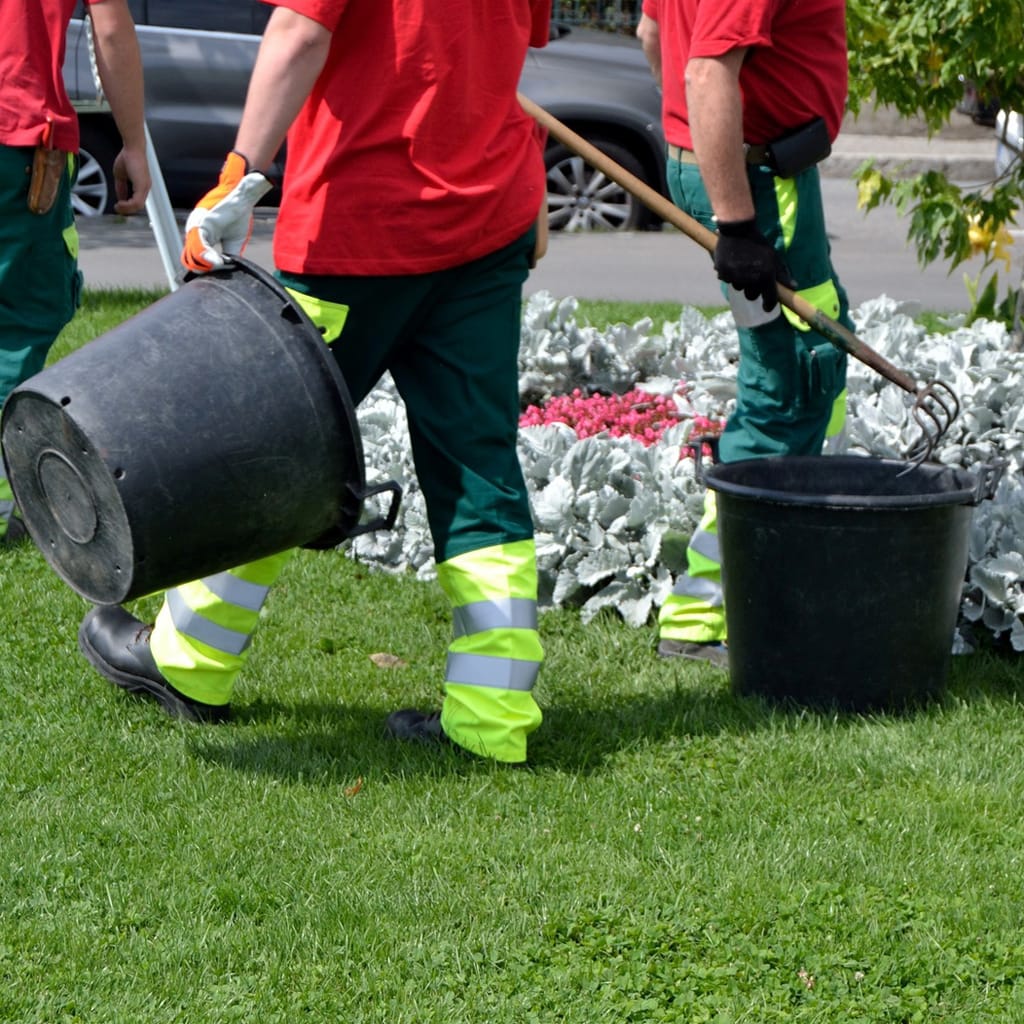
{"points": [[716, 125], [291, 57], [119, 64], [650, 41]]}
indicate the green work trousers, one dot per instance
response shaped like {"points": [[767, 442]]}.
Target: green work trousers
{"points": [[40, 284], [791, 380], [450, 340]]}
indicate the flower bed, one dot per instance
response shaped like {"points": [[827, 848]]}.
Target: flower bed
{"points": [[607, 428], [636, 414]]}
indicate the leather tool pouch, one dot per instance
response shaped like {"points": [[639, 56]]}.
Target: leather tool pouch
{"points": [[47, 170], [799, 149]]}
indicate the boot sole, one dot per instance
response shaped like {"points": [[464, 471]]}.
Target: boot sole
{"points": [[709, 654], [174, 705]]}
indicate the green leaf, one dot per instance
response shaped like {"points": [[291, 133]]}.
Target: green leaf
{"points": [[984, 308]]}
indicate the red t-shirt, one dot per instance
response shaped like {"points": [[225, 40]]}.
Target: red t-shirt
{"points": [[412, 154], [31, 69], [796, 69]]}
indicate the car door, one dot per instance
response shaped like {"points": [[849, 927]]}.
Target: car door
{"points": [[197, 58], [244, 16]]}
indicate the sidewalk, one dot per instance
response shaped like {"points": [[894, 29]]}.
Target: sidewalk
{"points": [[962, 150], [969, 160]]}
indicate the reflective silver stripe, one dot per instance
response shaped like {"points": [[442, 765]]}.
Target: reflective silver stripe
{"points": [[193, 625], [508, 613], [706, 544], [498, 673], [699, 587], [237, 591]]}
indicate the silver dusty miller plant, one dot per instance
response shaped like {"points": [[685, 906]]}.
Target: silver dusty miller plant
{"points": [[611, 514]]}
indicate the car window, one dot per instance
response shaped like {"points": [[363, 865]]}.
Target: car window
{"points": [[248, 16], [137, 8]]}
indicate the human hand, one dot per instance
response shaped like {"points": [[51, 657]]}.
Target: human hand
{"points": [[131, 181], [744, 258], [220, 225]]}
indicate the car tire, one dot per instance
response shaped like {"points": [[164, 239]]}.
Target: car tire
{"points": [[94, 193], [582, 198]]}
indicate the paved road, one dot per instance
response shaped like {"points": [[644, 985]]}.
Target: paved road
{"points": [[869, 250]]}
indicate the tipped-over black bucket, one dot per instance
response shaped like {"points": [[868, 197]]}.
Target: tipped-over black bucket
{"points": [[842, 576], [211, 429]]}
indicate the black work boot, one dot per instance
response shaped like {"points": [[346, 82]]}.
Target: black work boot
{"points": [[117, 646], [713, 653], [421, 726], [15, 534]]}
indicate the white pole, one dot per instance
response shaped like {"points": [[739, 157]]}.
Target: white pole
{"points": [[161, 218], [158, 205]]}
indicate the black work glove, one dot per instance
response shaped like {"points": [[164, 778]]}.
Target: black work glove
{"points": [[744, 258]]}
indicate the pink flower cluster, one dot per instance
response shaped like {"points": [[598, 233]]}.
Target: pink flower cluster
{"points": [[633, 414]]}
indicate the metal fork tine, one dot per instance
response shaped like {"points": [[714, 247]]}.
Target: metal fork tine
{"points": [[934, 412]]}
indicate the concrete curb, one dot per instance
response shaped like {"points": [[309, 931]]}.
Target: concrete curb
{"points": [[902, 146], [961, 160]]}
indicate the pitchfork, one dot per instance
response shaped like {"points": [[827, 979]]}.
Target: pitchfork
{"points": [[936, 404]]}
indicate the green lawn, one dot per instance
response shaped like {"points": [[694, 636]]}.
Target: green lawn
{"points": [[671, 853]]}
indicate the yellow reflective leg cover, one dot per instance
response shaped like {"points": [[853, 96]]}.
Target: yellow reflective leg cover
{"points": [[329, 317], [837, 421], [203, 631], [694, 610], [6, 504], [496, 654]]}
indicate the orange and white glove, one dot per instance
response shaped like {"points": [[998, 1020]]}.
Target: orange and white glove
{"points": [[220, 225]]}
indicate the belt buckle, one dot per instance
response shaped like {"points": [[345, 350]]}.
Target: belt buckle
{"points": [[755, 154]]}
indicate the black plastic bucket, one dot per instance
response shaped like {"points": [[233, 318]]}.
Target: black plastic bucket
{"points": [[211, 429], [842, 576]]}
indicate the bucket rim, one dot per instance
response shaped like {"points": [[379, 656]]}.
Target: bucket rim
{"points": [[965, 491]]}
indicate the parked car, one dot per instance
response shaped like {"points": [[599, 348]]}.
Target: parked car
{"points": [[601, 87], [198, 55], [1009, 126]]}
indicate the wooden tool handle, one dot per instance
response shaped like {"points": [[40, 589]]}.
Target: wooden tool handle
{"points": [[835, 332]]}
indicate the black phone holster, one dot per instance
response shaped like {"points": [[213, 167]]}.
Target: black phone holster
{"points": [[799, 149]]}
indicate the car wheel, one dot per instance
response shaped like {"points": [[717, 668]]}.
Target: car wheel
{"points": [[582, 198], [94, 193]]}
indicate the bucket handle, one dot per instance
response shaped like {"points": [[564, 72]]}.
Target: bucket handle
{"points": [[384, 522], [988, 480], [696, 446]]}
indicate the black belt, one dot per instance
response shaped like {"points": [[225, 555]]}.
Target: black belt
{"points": [[754, 154]]}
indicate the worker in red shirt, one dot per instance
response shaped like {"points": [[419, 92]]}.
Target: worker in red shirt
{"points": [[754, 92], [407, 227], [40, 283]]}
